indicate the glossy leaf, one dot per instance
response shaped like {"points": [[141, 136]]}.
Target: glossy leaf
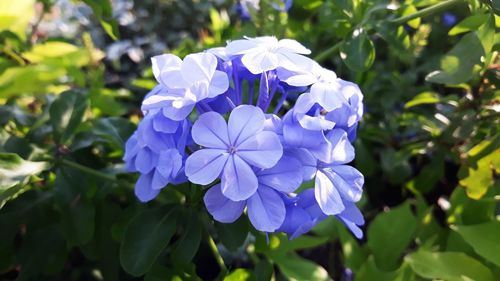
{"points": [[358, 51], [483, 238], [146, 236]]}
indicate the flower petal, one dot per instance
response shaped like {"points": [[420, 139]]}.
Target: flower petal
{"points": [[218, 85], [327, 196], [342, 149], [258, 62], [307, 161], [145, 160], [210, 130], [198, 67], [347, 180], [285, 176], [238, 180], [245, 121], [263, 150], [205, 165], [163, 64], [290, 45], [143, 189], [266, 209], [220, 207], [327, 95]]}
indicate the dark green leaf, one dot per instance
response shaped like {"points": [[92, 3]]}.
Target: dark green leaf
{"points": [[232, 235], [66, 113], [264, 270], [146, 236], [189, 242], [358, 51], [389, 234]]}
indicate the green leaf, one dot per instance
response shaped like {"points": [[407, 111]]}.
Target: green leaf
{"points": [[486, 34], [14, 173], [240, 274], [146, 236], [390, 234], [483, 238], [77, 212], [297, 268], [264, 270], [187, 246], [369, 271], [478, 178], [232, 235], [358, 51], [450, 266], [470, 23], [104, 12], [66, 113], [30, 79], [15, 16], [457, 65], [423, 98]]}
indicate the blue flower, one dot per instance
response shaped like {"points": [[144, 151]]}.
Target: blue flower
{"points": [[230, 150], [265, 207], [184, 83], [267, 53]]}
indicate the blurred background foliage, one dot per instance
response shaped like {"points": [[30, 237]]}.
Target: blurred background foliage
{"points": [[73, 73]]}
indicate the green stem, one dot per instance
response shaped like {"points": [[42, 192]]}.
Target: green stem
{"points": [[218, 257], [427, 11], [328, 52], [88, 170]]}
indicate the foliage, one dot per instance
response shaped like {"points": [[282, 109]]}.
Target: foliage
{"points": [[428, 145]]}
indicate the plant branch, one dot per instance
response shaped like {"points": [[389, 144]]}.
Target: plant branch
{"points": [[89, 171], [426, 11], [328, 52], [218, 257]]}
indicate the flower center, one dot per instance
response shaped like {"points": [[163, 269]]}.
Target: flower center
{"points": [[232, 150]]}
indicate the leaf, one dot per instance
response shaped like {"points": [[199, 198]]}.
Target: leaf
{"points": [[240, 274], [410, 9], [483, 238], [450, 266], [264, 270], [423, 98], [146, 236], [390, 234], [77, 212], [234, 234], [297, 268], [30, 79], [369, 271], [104, 12], [470, 23], [189, 242], [477, 179], [14, 172], [66, 113], [15, 16], [457, 65], [358, 51], [486, 34]]}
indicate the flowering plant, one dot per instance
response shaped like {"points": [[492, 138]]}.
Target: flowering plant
{"points": [[289, 121]]}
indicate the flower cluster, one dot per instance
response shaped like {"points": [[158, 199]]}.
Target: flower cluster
{"points": [[289, 121]]}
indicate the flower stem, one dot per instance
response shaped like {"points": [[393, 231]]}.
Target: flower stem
{"points": [[426, 11], [88, 170], [218, 257], [328, 52]]}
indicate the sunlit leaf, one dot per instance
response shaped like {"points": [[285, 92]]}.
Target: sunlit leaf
{"points": [[483, 238]]}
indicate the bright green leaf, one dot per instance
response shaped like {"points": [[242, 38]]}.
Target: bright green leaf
{"points": [[483, 238], [297, 268], [423, 98], [486, 34], [470, 23], [240, 274], [450, 266], [478, 178], [16, 15]]}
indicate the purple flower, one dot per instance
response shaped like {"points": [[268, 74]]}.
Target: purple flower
{"points": [[231, 150], [265, 207]]}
